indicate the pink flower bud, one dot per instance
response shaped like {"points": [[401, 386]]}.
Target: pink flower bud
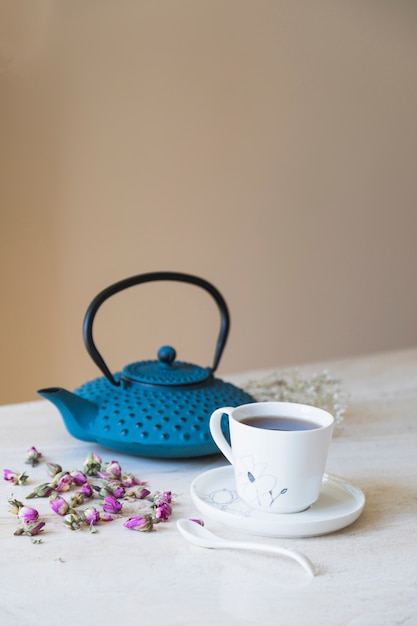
{"points": [[106, 517], [142, 493], [10, 476], [111, 504], [14, 478], [62, 482], [32, 456], [91, 515], [59, 505], [27, 514], [163, 511], [163, 497], [116, 489], [112, 470], [92, 464], [78, 478], [128, 480], [33, 528], [87, 490], [53, 469], [143, 523]]}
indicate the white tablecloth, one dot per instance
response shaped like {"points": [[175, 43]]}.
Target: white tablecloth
{"points": [[367, 572]]}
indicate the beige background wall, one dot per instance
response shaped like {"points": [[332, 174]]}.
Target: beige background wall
{"points": [[267, 146]]}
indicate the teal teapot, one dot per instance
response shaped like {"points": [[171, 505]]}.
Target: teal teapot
{"points": [[154, 408]]}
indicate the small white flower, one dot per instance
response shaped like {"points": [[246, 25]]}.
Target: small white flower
{"points": [[319, 389]]}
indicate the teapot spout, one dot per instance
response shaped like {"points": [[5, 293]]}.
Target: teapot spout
{"points": [[78, 414]]}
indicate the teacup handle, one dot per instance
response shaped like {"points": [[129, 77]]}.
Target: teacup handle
{"points": [[217, 432]]}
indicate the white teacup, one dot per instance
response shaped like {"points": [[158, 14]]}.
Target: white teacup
{"points": [[278, 451]]}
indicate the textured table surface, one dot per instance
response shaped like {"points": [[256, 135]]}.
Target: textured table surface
{"points": [[367, 571]]}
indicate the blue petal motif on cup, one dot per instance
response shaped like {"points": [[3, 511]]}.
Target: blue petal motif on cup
{"points": [[256, 485]]}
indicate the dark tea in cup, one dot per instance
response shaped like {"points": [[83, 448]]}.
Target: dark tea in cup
{"points": [[272, 422]]}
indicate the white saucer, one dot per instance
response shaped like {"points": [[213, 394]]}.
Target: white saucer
{"points": [[339, 504]]}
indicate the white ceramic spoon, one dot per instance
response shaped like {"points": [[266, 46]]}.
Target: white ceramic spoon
{"points": [[200, 536]]}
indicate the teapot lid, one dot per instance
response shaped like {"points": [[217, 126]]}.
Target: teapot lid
{"points": [[166, 371]]}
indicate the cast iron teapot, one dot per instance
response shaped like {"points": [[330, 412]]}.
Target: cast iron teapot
{"points": [[157, 408]]}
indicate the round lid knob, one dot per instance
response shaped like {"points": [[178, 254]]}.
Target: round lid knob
{"points": [[166, 371], [167, 354]]}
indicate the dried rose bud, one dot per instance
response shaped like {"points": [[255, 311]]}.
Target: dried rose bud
{"points": [[87, 490], [139, 493], [27, 514], [142, 493], [78, 478], [32, 456], [111, 470], [76, 499], [14, 478], [130, 496], [42, 491], [91, 515], [92, 464], [116, 489], [128, 480], [111, 504], [143, 523], [163, 511], [163, 497], [59, 505], [31, 528], [106, 517], [62, 482], [73, 521], [53, 469]]}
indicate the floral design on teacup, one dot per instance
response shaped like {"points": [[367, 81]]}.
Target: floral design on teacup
{"points": [[226, 500], [257, 486], [223, 499]]}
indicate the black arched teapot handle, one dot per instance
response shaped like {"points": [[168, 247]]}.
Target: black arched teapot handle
{"points": [[145, 278]]}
